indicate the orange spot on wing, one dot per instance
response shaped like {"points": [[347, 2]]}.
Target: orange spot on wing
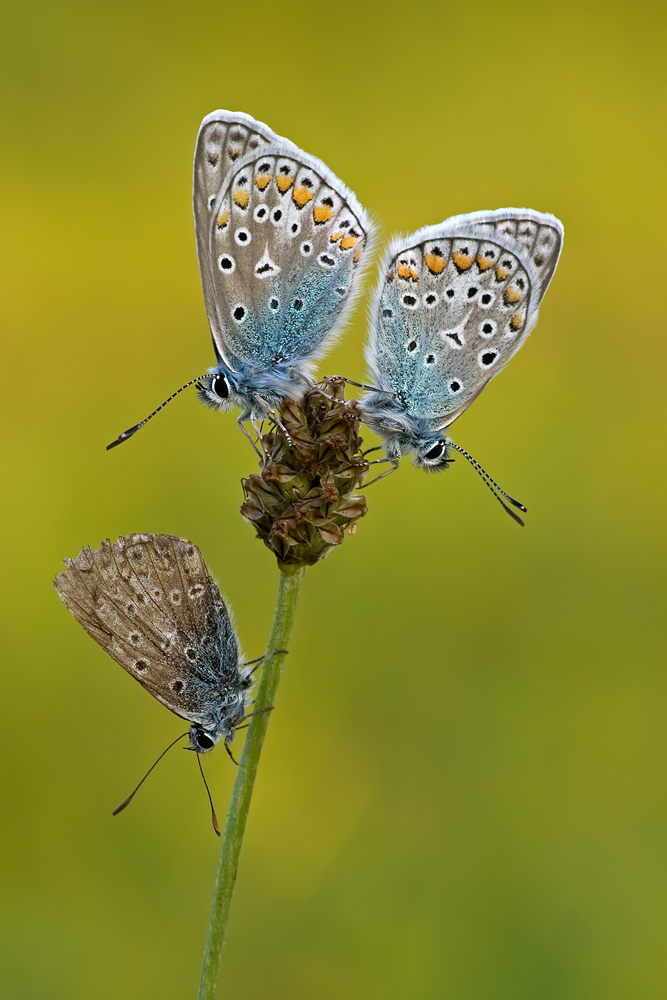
{"points": [[435, 263], [301, 196], [284, 183], [348, 242], [322, 213], [516, 322], [501, 273], [262, 180], [335, 237], [223, 219], [390, 276], [462, 260], [512, 295], [483, 263], [241, 198], [406, 272], [357, 256]]}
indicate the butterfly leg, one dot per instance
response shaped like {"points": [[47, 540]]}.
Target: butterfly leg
{"points": [[262, 659], [240, 420], [362, 385], [387, 472], [267, 408]]}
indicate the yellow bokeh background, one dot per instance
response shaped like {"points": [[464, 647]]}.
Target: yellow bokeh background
{"points": [[463, 787]]}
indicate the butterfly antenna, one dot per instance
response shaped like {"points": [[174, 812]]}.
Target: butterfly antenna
{"points": [[133, 430], [214, 818], [491, 483], [130, 797]]}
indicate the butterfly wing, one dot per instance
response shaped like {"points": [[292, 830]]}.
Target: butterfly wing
{"points": [[539, 233], [223, 138], [285, 247], [150, 602], [455, 302]]}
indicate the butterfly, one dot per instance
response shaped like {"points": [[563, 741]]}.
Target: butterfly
{"points": [[150, 602], [453, 304], [280, 243]]}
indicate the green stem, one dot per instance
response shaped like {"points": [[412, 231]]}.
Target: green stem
{"points": [[232, 838]]}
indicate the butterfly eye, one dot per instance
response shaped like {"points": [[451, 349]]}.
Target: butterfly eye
{"points": [[204, 741], [436, 452], [220, 386]]}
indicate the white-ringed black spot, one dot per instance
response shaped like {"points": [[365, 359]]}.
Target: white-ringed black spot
{"points": [[141, 666], [487, 329], [472, 292], [306, 249], [261, 213], [264, 168], [387, 313], [430, 300], [157, 595], [455, 339], [307, 181], [487, 358], [297, 304], [521, 283], [295, 228], [135, 638], [454, 386], [212, 201], [238, 312], [412, 346], [409, 301], [277, 215], [274, 303], [341, 291], [486, 300], [324, 260], [177, 686], [242, 236], [196, 591], [450, 293], [227, 264], [430, 359], [175, 597], [191, 653]]}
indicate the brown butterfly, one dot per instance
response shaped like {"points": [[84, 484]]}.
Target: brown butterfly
{"points": [[150, 602]]}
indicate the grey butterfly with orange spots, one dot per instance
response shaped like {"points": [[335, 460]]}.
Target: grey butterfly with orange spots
{"points": [[454, 303], [280, 241], [282, 244]]}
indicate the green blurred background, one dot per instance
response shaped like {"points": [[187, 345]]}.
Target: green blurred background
{"points": [[463, 789]]}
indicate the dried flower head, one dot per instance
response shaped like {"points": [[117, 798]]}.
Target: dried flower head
{"points": [[302, 501]]}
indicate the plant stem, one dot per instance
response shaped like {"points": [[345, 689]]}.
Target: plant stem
{"points": [[232, 839]]}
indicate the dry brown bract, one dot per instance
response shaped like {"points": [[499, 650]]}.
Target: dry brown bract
{"points": [[303, 499]]}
